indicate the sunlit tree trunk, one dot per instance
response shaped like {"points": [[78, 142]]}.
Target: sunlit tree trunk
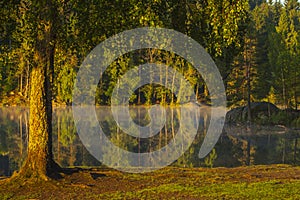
{"points": [[39, 162], [39, 157]]}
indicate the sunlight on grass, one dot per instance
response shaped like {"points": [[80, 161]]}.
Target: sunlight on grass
{"points": [[262, 190]]}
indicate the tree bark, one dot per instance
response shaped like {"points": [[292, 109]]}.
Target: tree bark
{"points": [[39, 159], [39, 162]]}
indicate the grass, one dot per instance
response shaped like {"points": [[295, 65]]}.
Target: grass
{"points": [[265, 190], [255, 182]]}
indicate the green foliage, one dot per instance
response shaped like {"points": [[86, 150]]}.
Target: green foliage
{"points": [[272, 96], [286, 118], [65, 75], [267, 32], [209, 160], [80, 27], [296, 122], [274, 31]]}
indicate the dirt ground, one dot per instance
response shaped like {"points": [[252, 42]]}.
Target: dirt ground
{"points": [[261, 182]]}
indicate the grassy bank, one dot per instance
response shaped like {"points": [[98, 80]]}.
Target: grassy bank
{"points": [[255, 182]]}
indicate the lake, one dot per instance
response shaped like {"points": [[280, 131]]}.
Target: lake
{"points": [[237, 145]]}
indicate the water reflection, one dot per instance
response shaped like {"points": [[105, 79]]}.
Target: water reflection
{"points": [[237, 145]]}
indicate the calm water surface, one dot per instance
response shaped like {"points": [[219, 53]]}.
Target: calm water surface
{"points": [[237, 146]]}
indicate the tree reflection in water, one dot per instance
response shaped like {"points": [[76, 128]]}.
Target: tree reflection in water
{"points": [[237, 146]]}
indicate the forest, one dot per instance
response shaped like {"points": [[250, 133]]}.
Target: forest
{"points": [[254, 44]]}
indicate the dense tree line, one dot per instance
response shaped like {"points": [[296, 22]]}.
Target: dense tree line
{"points": [[269, 61], [255, 45]]}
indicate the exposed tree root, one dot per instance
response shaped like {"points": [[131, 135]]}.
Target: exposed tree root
{"points": [[28, 173]]}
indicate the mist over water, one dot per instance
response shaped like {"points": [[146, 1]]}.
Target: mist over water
{"points": [[237, 145]]}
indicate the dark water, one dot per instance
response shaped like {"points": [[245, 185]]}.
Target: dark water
{"points": [[237, 146]]}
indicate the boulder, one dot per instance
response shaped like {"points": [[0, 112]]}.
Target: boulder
{"points": [[259, 110]]}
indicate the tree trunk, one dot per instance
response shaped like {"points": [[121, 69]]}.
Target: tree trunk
{"points": [[39, 163], [247, 60], [249, 95], [283, 89]]}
